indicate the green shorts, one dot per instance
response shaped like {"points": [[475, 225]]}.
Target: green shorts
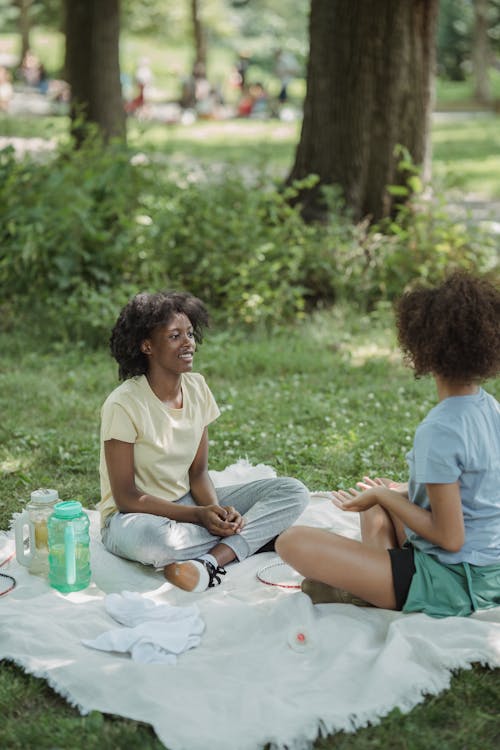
{"points": [[443, 590]]}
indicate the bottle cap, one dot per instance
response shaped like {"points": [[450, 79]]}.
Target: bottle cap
{"points": [[68, 509], [43, 495]]}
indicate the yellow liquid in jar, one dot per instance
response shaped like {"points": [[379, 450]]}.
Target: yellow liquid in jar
{"points": [[41, 540]]}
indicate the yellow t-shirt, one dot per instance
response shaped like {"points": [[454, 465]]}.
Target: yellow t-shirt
{"points": [[165, 440]]}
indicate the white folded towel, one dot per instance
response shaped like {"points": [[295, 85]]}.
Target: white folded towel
{"points": [[155, 633]]}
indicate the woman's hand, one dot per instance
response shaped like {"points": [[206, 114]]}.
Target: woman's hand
{"points": [[353, 500], [234, 517], [367, 482], [218, 520]]}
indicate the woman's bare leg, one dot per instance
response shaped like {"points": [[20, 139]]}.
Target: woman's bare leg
{"points": [[363, 569], [223, 553]]}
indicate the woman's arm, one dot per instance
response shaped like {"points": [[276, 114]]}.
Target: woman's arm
{"points": [[203, 491], [367, 482], [128, 498], [442, 525], [200, 484]]}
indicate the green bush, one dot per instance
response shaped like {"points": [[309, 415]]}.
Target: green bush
{"points": [[83, 231], [95, 226], [422, 243], [238, 245], [65, 222]]}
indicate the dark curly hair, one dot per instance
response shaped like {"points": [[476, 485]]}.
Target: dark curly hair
{"points": [[140, 316], [452, 330]]}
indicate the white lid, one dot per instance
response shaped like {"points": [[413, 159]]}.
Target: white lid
{"points": [[44, 496]]}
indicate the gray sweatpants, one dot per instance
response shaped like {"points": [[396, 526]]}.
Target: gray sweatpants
{"points": [[269, 506]]}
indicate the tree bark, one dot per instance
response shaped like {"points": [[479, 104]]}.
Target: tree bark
{"points": [[369, 88], [92, 67], [200, 42], [24, 25], [481, 53]]}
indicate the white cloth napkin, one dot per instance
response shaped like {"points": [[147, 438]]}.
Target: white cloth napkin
{"points": [[154, 633]]}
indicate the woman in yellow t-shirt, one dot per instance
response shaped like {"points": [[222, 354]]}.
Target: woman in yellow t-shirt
{"points": [[158, 504]]}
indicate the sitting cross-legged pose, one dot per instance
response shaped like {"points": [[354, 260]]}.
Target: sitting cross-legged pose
{"points": [[432, 545], [158, 504]]}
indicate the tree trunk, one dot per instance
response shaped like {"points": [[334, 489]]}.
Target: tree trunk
{"points": [[481, 53], [200, 42], [24, 25], [92, 67], [369, 88]]}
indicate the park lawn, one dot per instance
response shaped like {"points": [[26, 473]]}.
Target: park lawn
{"points": [[466, 152], [327, 400], [309, 400], [465, 146], [459, 95], [170, 59], [465, 142]]}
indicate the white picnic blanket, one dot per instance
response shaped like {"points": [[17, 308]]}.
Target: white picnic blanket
{"points": [[243, 686]]}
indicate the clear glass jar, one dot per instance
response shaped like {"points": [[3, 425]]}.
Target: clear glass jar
{"points": [[32, 549]]}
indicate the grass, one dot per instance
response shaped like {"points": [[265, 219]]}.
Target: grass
{"points": [[465, 143], [459, 95], [466, 153], [248, 144], [465, 146], [310, 400], [168, 60]]}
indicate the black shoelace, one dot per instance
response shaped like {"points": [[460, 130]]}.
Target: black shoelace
{"points": [[214, 573]]}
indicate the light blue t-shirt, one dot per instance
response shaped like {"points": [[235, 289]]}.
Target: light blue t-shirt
{"points": [[459, 440]]}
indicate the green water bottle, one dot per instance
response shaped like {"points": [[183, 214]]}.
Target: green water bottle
{"points": [[69, 547]]}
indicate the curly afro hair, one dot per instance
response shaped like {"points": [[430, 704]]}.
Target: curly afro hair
{"points": [[140, 316], [452, 330]]}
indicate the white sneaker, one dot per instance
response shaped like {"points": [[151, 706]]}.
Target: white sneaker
{"points": [[194, 575]]}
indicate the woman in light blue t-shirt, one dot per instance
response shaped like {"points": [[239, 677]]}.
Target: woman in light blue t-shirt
{"points": [[433, 544]]}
